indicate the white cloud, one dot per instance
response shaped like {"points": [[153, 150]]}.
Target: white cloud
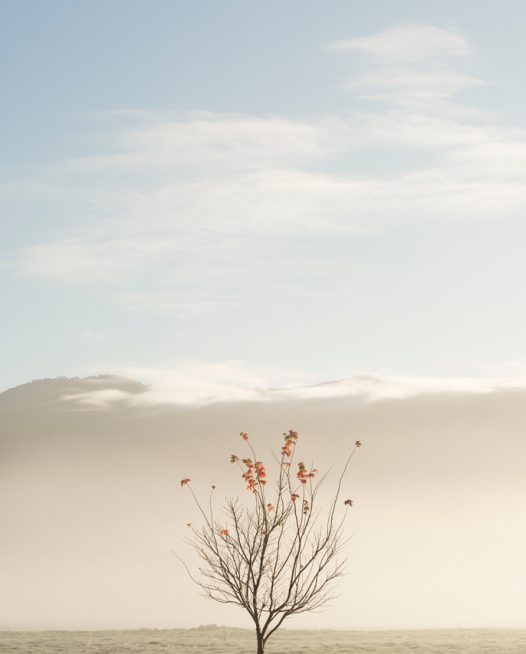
{"points": [[203, 140], [414, 66], [411, 88], [105, 257], [218, 219], [187, 195], [166, 301], [190, 383], [99, 399], [200, 384], [373, 388], [409, 43]]}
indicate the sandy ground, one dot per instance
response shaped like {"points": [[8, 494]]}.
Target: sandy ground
{"points": [[220, 640]]}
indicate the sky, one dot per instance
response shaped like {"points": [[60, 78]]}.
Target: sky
{"points": [[263, 194]]}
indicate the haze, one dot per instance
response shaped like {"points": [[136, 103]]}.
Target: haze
{"points": [[91, 506]]}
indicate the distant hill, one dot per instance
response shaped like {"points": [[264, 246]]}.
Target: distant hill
{"points": [[91, 507], [46, 394]]}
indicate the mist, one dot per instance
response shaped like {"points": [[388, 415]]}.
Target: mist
{"points": [[92, 511]]}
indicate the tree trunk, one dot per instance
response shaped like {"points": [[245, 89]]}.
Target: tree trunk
{"points": [[261, 644]]}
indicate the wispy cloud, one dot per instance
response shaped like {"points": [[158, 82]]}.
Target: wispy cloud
{"points": [[413, 42], [407, 86], [189, 194], [413, 65], [164, 301]]}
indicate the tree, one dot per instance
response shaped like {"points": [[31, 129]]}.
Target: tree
{"points": [[277, 555]]}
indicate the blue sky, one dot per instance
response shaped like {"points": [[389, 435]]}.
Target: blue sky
{"points": [[262, 193]]}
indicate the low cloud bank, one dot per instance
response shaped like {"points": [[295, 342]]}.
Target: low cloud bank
{"points": [[216, 384]]}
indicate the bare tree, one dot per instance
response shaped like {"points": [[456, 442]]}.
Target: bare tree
{"points": [[279, 554]]}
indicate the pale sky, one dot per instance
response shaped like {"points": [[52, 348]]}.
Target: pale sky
{"points": [[315, 190]]}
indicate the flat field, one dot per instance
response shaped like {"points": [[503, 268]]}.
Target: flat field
{"points": [[223, 640]]}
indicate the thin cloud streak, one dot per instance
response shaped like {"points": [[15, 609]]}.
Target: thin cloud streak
{"points": [[412, 42]]}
